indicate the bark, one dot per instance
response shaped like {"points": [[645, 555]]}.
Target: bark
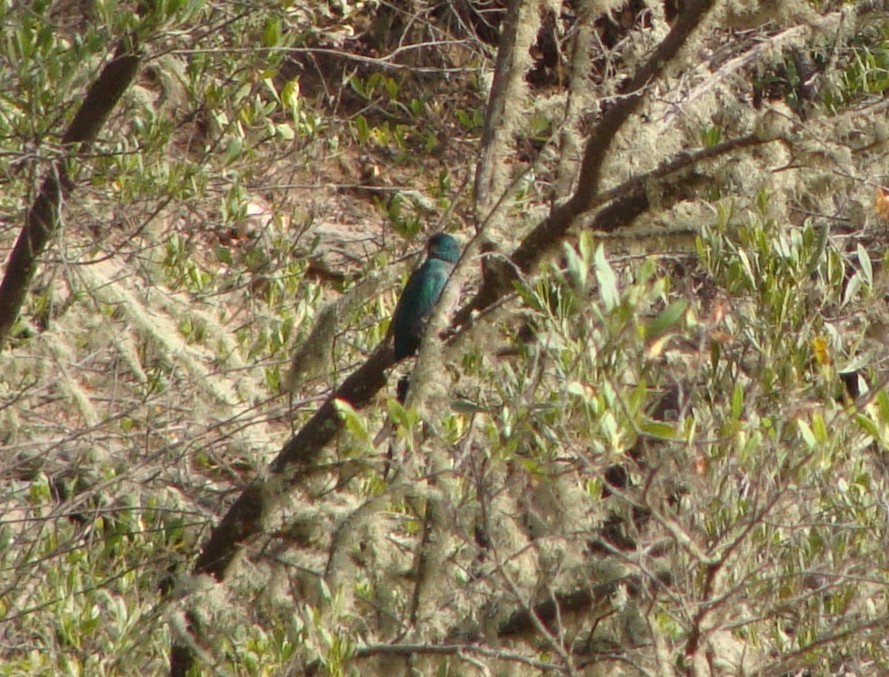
{"points": [[553, 229], [244, 518], [44, 216], [508, 88]]}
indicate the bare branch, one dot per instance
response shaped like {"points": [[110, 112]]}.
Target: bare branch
{"points": [[43, 217]]}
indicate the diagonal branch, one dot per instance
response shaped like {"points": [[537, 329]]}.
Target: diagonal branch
{"points": [[44, 215], [624, 208], [554, 227], [244, 518]]}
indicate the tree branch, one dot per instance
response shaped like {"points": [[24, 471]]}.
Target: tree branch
{"points": [[507, 92], [452, 650], [244, 518], [554, 227], [45, 212], [523, 620]]}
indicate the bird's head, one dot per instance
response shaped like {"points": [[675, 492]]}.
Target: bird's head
{"points": [[443, 246]]}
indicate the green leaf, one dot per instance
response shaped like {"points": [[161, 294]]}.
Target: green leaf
{"points": [[576, 269], [576, 388], [748, 267], [737, 402], [658, 429], [817, 251], [585, 247], [868, 425], [234, 149], [852, 288], [665, 321], [882, 400], [711, 136], [807, 434], [271, 34], [607, 280], [819, 428], [355, 424], [867, 270], [463, 406], [285, 131], [400, 415]]}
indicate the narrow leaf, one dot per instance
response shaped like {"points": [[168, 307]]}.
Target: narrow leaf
{"points": [[607, 280]]}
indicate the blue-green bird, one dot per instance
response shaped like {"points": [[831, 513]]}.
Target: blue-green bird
{"points": [[422, 292]]}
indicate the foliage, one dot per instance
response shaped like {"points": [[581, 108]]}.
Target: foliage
{"points": [[644, 457]]}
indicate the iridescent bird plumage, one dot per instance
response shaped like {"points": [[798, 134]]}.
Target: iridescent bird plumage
{"points": [[422, 292]]}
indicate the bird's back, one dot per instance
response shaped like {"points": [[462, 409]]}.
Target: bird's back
{"points": [[416, 304]]}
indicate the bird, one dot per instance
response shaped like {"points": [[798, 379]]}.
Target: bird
{"points": [[413, 310], [421, 293]]}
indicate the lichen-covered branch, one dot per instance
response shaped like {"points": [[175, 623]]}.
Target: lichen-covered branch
{"points": [[507, 92], [553, 228], [244, 518]]}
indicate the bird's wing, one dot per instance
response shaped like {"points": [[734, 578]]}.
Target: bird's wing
{"points": [[416, 304], [433, 283]]}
